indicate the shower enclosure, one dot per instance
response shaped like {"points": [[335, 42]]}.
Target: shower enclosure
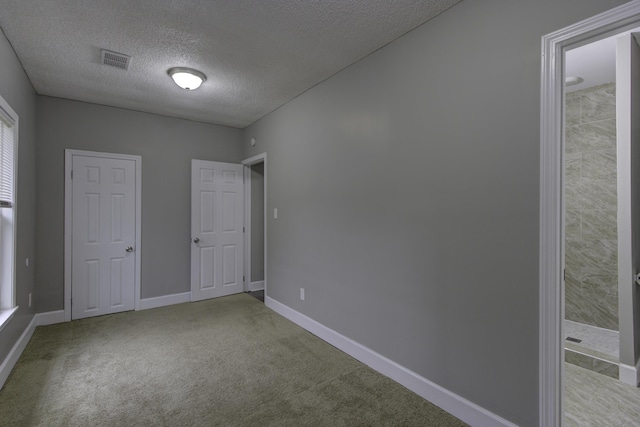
{"points": [[602, 208], [591, 240]]}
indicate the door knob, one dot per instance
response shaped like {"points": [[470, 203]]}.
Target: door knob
{"points": [[129, 249], [196, 240]]}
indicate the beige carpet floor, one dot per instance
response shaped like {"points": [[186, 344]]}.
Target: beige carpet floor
{"points": [[224, 362]]}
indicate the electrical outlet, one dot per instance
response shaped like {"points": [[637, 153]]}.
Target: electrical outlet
{"points": [[29, 299], [302, 294]]}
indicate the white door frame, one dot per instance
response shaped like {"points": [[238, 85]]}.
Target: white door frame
{"points": [[260, 158], [68, 221], [551, 255]]}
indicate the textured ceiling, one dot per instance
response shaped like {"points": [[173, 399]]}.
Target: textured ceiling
{"points": [[256, 54]]}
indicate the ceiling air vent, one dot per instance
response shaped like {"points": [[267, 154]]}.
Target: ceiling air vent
{"points": [[115, 59]]}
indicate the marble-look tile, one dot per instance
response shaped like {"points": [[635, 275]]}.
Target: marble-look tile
{"points": [[601, 311], [569, 345], [599, 164], [598, 194], [609, 369], [573, 169], [599, 224], [591, 305], [593, 364], [572, 110], [572, 223], [573, 184], [598, 103], [573, 156], [572, 139], [578, 359], [598, 342], [574, 256], [573, 276], [592, 399], [602, 283], [585, 311], [572, 312], [591, 204], [594, 136], [572, 94], [573, 195], [573, 296], [597, 253]]}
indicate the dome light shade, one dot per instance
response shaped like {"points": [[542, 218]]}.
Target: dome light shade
{"points": [[573, 80], [187, 78]]}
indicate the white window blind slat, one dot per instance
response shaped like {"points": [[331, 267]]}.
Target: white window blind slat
{"points": [[6, 164]]}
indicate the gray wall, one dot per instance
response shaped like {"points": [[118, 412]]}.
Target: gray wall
{"points": [[407, 189], [591, 261], [16, 89], [257, 222], [166, 145]]}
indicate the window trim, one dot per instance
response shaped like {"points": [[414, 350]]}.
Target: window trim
{"points": [[8, 290], [6, 315]]}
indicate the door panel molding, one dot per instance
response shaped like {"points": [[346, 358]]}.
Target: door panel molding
{"points": [[68, 221], [217, 215]]}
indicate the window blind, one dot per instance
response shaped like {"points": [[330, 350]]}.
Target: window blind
{"points": [[6, 163]]}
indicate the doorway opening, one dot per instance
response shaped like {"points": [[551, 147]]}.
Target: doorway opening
{"points": [[556, 193], [599, 164], [255, 179], [591, 319]]}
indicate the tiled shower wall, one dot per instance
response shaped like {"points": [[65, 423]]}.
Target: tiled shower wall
{"points": [[591, 208]]}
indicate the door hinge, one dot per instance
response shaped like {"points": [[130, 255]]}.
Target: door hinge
{"points": [[564, 274], [243, 229], [636, 277], [72, 174], [243, 278]]}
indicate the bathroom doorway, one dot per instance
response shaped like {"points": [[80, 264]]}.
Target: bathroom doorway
{"points": [[255, 176], [591, 319], [558, 216], [598, 164]]}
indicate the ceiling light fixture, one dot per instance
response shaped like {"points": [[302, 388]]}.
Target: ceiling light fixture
{"points": [[573, 80], [187, 78]]}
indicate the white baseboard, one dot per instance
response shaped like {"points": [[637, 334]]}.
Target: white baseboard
{"points": [[164, 300], [456, 405], [50, 318], [13, 356], [40, 319], [256, 286], [630, 374]]}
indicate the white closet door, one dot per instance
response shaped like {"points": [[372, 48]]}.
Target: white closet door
{"points": [[217, 214], [103, 242]]}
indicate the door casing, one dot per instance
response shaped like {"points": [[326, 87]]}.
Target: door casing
{"points": [[247, 163], [68, 221], [551, 255]]}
